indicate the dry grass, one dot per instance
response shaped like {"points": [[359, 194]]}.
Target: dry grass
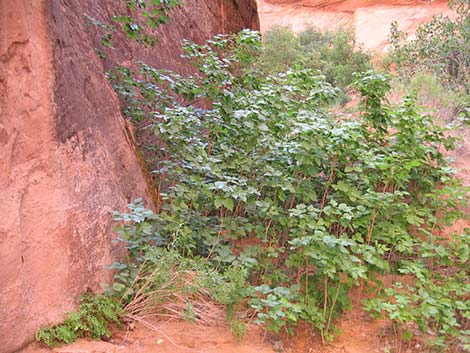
{"points": [[179, 297]]}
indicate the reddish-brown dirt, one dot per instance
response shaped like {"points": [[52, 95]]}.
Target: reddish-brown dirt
{"points": [[170, 337], [360, 335], [370, 19]]}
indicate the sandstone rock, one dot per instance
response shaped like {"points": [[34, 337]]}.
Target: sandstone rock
{"points": [[67, 158], [359, 15]]}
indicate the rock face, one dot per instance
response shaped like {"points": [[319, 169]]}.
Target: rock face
{"points": [[196, 20], [67, 158], [360, 15]]}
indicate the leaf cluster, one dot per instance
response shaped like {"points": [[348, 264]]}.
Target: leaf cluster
{"points": [[441, 46], [334, 54], [93, 318], [254, 173], [138, 24]]}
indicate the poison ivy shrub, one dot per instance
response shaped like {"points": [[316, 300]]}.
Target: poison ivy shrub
{"points": [[254, 173], [438, 299], [161, 276]]}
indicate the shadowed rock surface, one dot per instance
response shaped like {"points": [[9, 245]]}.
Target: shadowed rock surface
{"points": [[67, 156]]}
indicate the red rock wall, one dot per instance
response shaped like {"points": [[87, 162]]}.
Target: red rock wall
{"points": [[359, 15], [348, 4], [197, 21], [66, 159]]}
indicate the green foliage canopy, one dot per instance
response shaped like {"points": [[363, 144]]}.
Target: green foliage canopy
{"points": [[332, 53], [441, 46], [255, 174]]}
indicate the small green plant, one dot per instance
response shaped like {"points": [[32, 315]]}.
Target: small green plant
{"points": [[93, 318], [277, 307], [138, 24], [238, 328], [161, 269], [438, 300]]}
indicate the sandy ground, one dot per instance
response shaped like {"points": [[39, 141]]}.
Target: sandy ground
{"points": [[169, 337], [360, 335]]}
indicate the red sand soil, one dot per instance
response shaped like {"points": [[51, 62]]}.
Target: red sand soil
{"points": [[169, 337], [360, 335]]}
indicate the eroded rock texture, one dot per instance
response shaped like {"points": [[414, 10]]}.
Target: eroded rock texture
{"points": [[66, 157], [359, 15]]}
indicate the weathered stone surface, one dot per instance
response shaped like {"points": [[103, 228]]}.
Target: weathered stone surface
{"points": [[65, 164], [359, 15], [196, 20], [66, 157]]}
